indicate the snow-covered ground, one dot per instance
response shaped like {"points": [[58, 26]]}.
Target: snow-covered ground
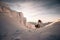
{"points": [[10, 29]]}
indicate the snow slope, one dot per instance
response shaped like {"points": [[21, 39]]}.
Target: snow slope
{"points": [[11, 29], [8, 26], [49, 32]]}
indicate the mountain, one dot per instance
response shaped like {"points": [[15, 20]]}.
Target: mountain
{"points": [[12, 27], [11, 22]]}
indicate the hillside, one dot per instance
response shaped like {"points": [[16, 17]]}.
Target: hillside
{"points": [[10, 22], [49, 32], [13, 27]]}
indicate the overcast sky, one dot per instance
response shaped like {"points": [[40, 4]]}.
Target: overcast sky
{"points": [[45, 10]]}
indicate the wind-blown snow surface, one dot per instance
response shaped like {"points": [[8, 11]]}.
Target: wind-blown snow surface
{"points": [[49, 32], [12, 30]]}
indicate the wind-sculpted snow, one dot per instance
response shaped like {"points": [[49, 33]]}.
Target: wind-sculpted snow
{"points": [[50, 32], [12, 28], [8, 27]]}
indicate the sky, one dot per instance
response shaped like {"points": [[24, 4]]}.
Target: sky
{"points": [[33, 10]]}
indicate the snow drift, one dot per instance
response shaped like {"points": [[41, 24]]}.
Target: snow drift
{"points": [[12, 27]]}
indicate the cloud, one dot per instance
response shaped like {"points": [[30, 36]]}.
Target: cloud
{"points": [[37, 9]]}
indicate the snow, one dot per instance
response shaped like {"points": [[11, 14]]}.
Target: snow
{"points": [[10, 29]]}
